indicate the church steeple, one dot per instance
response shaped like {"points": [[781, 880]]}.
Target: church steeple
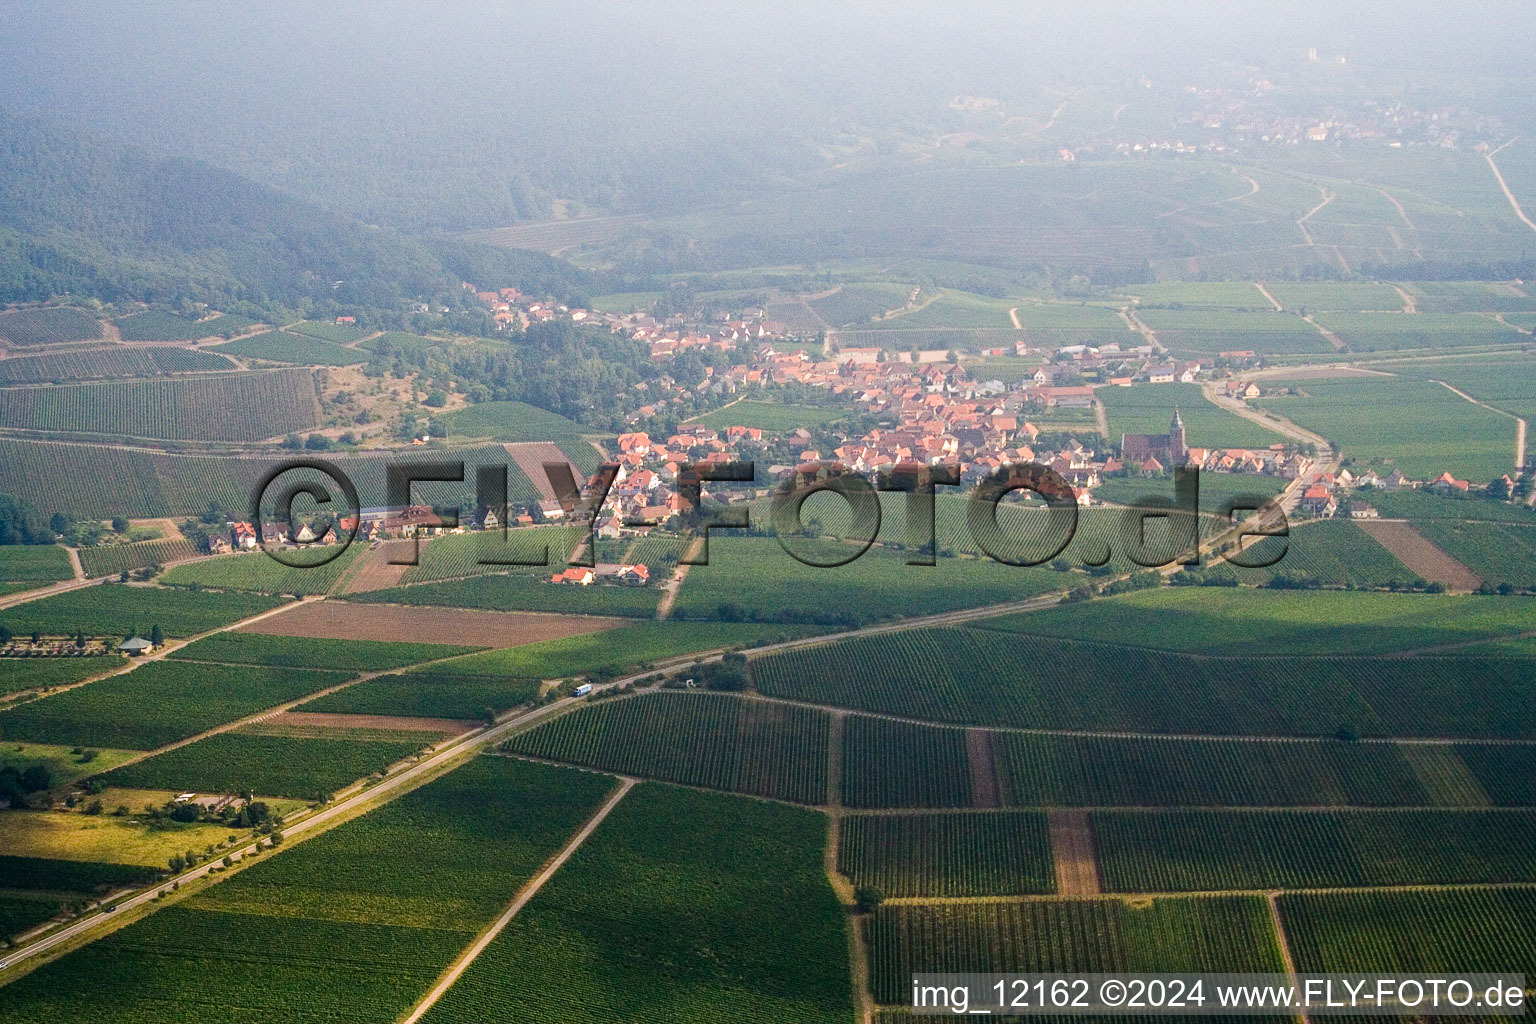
{"points": [[1176, 447], [1178, 421]]}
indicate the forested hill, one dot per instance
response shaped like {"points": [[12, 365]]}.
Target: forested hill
{"points": [[85, 216]]}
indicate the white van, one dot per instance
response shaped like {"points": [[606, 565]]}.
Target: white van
{"points": [[582, 690]]}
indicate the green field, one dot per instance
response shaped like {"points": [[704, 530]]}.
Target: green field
{"points": [[1148, 408], [773, 417], [1171, 934], [1507, 382], [856, 304], [259, 573], [955, 854], [313, 652], [1423, 505], [239, 762], [1277, 622], [1173, 851], [206, 407], [514, 422], [1215, 488], [700, 739], [950, 309], [1469, 296], [1399, 423], [54, 325], [347, 926], [1331, 552], [338, 334], [709, 908], [980, 677], [1415, 931], [285, 347], [67, 875], [110, 608], [40, 563], [477, 554], [111, 559], [429, 694], [63, 763], [158, 325], [1209, 332], [158, 703], [1315, 296], [1243, 295]]}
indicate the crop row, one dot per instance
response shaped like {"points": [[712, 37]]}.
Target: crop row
{"points": [[700, 739], [157, 704], [215, 407], [982, 677], [948, 854], [1167, 935], [353, 925], [683, 908], [108, 362], [110, 608], [257, 572], [240, 648], [238, 762], [429, 694], [110, 559], [158, 325], [25, 328]]}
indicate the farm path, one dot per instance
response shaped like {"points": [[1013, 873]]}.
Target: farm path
{"points": [[529, 890], [1253, 190], [1101, 417], [675, 584], [1013, 314], [1272, 300], [1325, 463], [1410, 304], [1519, 422], [12, 600], [1072, 851], [1282, 943], [1328, 336], [1499, 177], [74, 562], [1140, 327], [1301, 222]]}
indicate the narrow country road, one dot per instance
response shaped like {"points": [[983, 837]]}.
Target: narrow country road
{"points": [[1513, 202]]}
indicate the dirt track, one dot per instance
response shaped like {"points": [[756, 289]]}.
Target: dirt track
{"points": [[978, 751], [338, 620], [531, 458], [1077, 867], [374, 571], [324, 720], [1415, 551]]}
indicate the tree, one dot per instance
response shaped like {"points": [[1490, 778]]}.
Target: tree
{"points": [[20, 523], [178, 863], [1498, 490], [156, 636], [868, 898], [35, 777], [6, 635], [119, 524]]}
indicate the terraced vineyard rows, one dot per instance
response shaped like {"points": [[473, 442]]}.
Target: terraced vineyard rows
{"points": [[952, 854], [711, 740], [228, 407], [26, 328], [158, 325]]}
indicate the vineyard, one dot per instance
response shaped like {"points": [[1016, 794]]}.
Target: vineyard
{"points": [[283, 347], [477, 554], [67, 875], [1277, 622], [522, 592], [1467, 930], [1334, 552], [108, 362], [1168, 935], [285, 766], [313, 652], [338, 334], [158, 703], [257, 572], [752, 930], [111, 559], [951, 854], [1172, 851], [894, 764], [1496, 552], [1207, 332], [158, 325], [699, 739], [1147, 409], [428, 694], [41, 563], [347, 926], [21, 912], [982, 677], [40, 673], [112, 610], [216, 407], [27, 328]]}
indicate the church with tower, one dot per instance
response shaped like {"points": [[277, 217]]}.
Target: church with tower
{"points": [[1169, 448]]}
